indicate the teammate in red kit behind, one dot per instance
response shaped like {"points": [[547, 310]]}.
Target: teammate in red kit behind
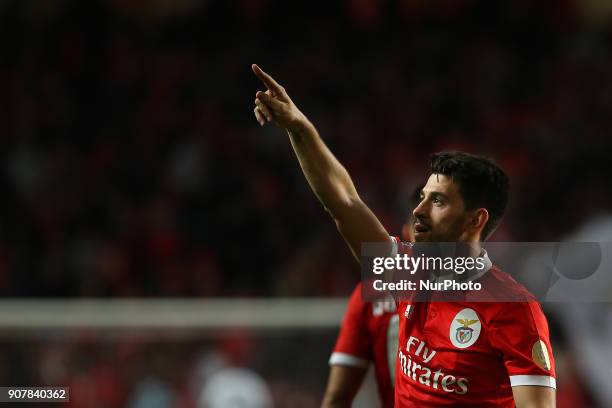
{"points": [[466, 354], [369, 333]]}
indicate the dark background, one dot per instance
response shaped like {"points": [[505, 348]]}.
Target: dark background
{"points": [[132, 165]]}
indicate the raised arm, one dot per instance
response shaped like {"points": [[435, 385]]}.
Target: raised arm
{"points": [[328, 179]]}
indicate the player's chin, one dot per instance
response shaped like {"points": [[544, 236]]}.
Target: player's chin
{"points": [[423, 236]]}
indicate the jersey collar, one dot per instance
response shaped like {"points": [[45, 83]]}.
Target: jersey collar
{"points": [[468, 276]]}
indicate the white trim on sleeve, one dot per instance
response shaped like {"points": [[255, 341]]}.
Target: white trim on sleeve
{"points": [[541, 380], [347, 360]]}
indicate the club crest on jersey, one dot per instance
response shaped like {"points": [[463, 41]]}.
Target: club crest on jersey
{"points": [[465, 328], [464, 334]]}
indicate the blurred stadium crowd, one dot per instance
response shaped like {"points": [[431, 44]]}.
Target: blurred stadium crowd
{"points": [[132, 164]]}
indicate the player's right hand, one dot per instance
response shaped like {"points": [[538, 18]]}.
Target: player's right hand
{"points": [[274, 105]]}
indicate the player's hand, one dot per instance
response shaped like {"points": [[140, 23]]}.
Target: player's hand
{"points": [[274, 105]]}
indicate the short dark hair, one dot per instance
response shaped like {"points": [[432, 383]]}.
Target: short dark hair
{"points": [[482, 183]]}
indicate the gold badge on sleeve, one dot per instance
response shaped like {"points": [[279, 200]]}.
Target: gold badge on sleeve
{"points": [[539, 354]]}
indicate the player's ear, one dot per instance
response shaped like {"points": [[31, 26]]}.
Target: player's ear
{"points": [[480, 218]]}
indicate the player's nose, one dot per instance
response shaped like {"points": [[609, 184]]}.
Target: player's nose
{"points": [[420, 211]]}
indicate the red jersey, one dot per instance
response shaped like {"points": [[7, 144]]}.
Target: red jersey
{"points": [[470, 354], [369, 333]]}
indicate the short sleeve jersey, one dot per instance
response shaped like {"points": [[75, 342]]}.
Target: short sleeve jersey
{"points": [[471, 353], [369, 334]]}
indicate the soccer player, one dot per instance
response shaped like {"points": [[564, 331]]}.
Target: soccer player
{"points": [[488, 354], [368, 332]]}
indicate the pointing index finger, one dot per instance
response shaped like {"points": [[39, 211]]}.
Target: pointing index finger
{"points": [[270, 83]]}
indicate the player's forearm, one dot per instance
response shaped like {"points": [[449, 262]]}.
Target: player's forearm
{"points": [[336, 401], [342, 386], [533, 396], [327, 177]]}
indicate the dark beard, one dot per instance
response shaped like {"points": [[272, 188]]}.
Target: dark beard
{"points": [[452, 234]]}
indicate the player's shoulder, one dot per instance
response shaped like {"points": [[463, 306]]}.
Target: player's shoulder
{"points": [[369, 312], [515, 301], [357, 290], [357, 304], [506, 287], [356, 300]]}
